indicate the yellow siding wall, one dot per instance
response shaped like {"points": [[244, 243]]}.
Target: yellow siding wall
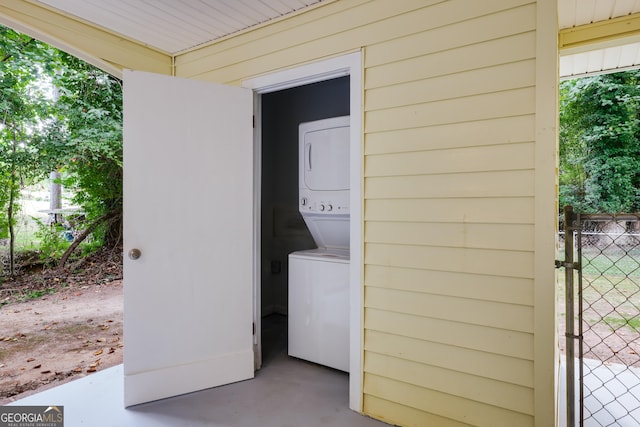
{"points": [[450, 143]]}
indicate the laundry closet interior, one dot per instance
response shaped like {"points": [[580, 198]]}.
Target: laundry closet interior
{"points": [[283, 230]]}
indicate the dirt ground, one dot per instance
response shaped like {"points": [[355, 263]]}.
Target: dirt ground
{"points": [[611, 345], [71, 331]]}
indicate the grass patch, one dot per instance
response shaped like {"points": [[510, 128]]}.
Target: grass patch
{"points": [[611, 287], [611, 261], [621, 321], [29, 294], [24, 343]]}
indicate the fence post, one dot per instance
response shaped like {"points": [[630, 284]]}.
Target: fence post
{"points": [[569, 228]]}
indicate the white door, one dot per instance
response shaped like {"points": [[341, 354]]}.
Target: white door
{"points": [[188, 209]]}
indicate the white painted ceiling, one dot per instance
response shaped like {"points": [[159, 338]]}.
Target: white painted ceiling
{"points": [[606, 60], [573, 13], [619, 55], [175, 26]]}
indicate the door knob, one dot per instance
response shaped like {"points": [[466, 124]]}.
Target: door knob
{"points": [[134, 254]]}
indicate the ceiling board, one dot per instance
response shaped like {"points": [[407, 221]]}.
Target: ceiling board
{"points": [[174, 26], [615, 55]]}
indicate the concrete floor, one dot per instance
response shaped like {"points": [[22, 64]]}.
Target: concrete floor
{"points": [[612, 395], [285, 393], [288, 392]]}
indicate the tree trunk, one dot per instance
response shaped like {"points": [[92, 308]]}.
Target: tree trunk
{"points": [[113, 237], [12, 237], [55, 195], [113, 216], [12, 197]]}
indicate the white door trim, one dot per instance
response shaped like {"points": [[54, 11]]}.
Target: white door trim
{"points": [[351, 65]]}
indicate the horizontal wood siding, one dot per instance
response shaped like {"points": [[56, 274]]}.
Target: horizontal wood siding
{"points": [[449, 332], [499, 130], [405, 415], [451, 381], [445, 405], [456, 160], [478, 312], [465, 285], [449, 186], [339, 27], [494, 366], [449, 142], [478, 261], [459, 253], [479, 236], [511, 76], [490, 210]]}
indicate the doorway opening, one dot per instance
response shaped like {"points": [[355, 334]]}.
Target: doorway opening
{"points": [[283, 230], [339, 77]]}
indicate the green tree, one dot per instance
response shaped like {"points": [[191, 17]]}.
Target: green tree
{"points": [[60, 113], [84, 141], [600, 143], [23, 106]]}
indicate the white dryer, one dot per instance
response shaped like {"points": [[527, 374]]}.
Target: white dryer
{"points": [[319, 278], [323, 180]]}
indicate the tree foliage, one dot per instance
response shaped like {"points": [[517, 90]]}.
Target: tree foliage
{"points": [[59, 113], [23, 107], [85, 139], [600, 143]]}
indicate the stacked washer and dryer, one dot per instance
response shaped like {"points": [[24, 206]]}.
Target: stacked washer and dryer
{"points": [[319, 278]]}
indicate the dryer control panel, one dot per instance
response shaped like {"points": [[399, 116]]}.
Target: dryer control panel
{"points": [[311, 202]]}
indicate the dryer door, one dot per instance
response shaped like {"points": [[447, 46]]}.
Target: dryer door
{"points": [[325, 154]]}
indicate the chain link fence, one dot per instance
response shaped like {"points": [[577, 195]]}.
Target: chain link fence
{"points": [[606, 301]]}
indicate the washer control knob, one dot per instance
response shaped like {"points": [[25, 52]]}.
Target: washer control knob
{"points": [[329, 207], [321, 208], [304, 201]]}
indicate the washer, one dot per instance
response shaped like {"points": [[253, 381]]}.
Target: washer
{"points": [[319, 307]]}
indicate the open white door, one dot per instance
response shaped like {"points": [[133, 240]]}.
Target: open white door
{"points": [[188, 209]]}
